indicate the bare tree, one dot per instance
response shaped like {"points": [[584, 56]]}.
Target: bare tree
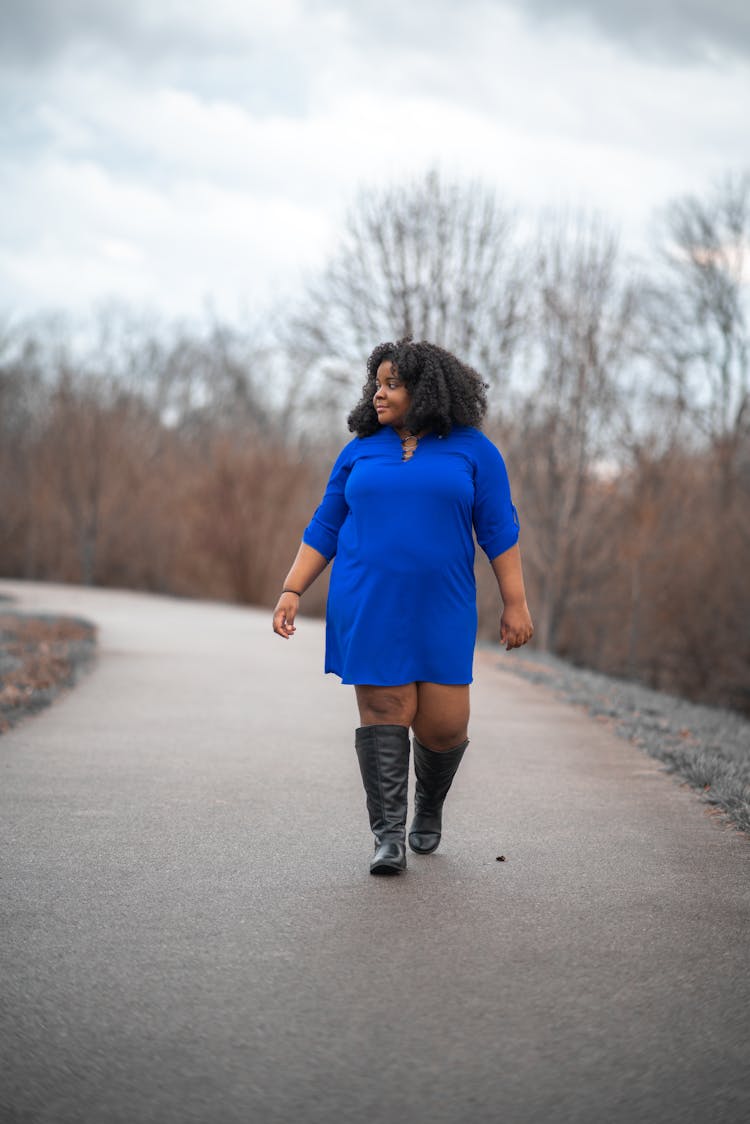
{"points": [[23, 397], [190, 374], [567, 415], [698, 319], [431, 259], [95, 453]]}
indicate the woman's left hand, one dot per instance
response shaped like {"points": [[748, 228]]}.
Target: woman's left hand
{"points": [[284, 615], [516, 625]]}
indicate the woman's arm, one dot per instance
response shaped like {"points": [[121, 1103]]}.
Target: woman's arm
{"points": [[516, 626], [307, 566], [319, 543]]}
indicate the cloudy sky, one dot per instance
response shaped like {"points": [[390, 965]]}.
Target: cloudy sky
{"points": [[177, 152]]}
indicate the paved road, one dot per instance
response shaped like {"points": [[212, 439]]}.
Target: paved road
{"points": [[190, 933]]}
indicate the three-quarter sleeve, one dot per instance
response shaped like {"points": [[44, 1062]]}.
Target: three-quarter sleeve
{"points": [[495, 517], [322, 532]]}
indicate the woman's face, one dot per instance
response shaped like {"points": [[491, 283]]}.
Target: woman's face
{"points": [[391, 399]]}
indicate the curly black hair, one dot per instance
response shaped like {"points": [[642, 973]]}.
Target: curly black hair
{"points": [[444, 391]]}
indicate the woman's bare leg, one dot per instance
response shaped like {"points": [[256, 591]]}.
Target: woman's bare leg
{"points": [[387, 706], [442, 715]]}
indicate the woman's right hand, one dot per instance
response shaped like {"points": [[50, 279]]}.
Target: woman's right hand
{"points": [[284, 614]]}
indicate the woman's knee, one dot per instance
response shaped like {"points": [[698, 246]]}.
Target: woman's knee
{"points": [[442, 718], [394, 706], [440, 738]]}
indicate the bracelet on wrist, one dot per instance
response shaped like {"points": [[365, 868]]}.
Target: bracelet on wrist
{"points": [[294, 591]]}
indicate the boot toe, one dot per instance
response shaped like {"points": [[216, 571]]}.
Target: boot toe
{"points": [[389, 858], [424, 842]]}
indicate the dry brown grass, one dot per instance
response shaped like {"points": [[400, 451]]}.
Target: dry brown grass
{"points": [[39, 657]]}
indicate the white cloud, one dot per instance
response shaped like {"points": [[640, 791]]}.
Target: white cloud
{"points": [[683, 31], [226, 175], [96, 237], [35, 31]]}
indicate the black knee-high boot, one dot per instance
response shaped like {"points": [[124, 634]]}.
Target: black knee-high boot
{"points": [[383, 754], [435, 772]]}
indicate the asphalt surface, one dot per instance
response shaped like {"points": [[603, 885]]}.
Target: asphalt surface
{"points": [[190, 933]]}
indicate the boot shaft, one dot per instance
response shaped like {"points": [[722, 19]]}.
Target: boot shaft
{"points": [[435, 772], [383, 755]]}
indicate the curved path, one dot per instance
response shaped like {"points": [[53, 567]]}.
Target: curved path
{"points": [[190, 933]]}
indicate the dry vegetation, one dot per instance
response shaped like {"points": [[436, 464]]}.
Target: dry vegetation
{"points": [[39, 656], [188, 461]]}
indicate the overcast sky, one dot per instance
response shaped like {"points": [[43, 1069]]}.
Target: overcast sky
{"points": [[171, 152]]}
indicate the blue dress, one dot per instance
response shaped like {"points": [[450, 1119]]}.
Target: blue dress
{"points": [[402, 596]]}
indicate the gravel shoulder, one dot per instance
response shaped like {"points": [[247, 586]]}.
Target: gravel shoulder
{"points": [[707, 747]]}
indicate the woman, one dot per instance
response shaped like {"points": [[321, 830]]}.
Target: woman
{"points": [[398, 513]]}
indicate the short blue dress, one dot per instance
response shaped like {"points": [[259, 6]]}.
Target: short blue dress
{"points": [[402, 596]]}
